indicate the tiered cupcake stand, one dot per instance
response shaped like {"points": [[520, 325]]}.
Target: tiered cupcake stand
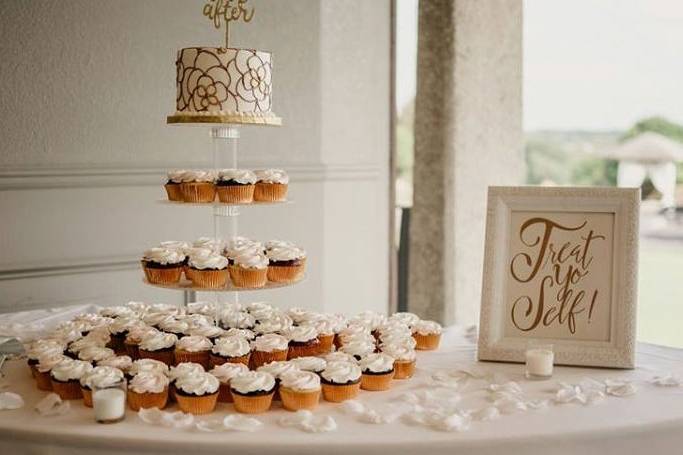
{"points": [[225, 135]]}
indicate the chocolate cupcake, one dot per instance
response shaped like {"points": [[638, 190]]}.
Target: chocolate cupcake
{"points": [[236, 186], [172, 186], [286, 264], [163, 266]]}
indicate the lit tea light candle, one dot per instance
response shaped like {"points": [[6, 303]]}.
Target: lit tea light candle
{"points": [[109, 404], [539, 361]]}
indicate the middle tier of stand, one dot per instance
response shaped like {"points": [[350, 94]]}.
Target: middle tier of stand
{"points": [[186, 285], [222, 204]]}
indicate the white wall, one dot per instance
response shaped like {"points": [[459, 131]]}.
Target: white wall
{"points": [[84, 92]]}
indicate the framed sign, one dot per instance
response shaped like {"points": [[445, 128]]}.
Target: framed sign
{"points": [[561, 266]]}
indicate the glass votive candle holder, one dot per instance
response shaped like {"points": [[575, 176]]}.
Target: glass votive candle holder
{"points": [[539, 360], [109, 403]]}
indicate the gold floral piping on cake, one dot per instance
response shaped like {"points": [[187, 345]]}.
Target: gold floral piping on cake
{"points": [[210, 83]]}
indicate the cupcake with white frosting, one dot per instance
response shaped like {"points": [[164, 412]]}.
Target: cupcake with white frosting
{"points": [[252, 392], [119, 328], [277, 369], [224, 373], [132, 341], [230, 349], [341, 381], [271, 185], [238, 246], [427, 334], [193, 348], [303, 341], [250, 335], [249, 270], [338, 356], [173, 180], [147, 366], [158, 346], [100, 376], [198, 186], [45, 364], [237, 320], [122, 362], [299, 390], [66, 376], [148, 389], [163, 265], [196, 393], [236, 186], [377, 371], [42, 348], [359, 346], [404, 360], [175, 325], [286, 264], [209, 331], [94, 353], [326, 327], [268, 348], [208, 271]]}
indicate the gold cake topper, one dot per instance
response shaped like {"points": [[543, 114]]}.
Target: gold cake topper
{"points": [[226, 11]]}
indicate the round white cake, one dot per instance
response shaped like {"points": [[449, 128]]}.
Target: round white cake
{"points": [[222, 81]]}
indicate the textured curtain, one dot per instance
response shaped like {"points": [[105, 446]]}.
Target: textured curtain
{"points": [[468, 135]]}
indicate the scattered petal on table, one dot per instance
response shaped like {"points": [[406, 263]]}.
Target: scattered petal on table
{"points": [[510, 387], [510, 405], [667, 380], [241, 423], [211, 426], [52, 405], [154, 416], [374, 417], [536, 404], [10, 400], [356, 407], [306, 421], [620, 388], [568, 393], [486, 414]]}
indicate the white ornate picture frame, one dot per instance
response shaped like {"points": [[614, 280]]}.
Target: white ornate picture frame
{"points": [[561, 265]]}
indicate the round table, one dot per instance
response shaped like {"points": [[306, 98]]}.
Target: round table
{"points": [[651, 421]]}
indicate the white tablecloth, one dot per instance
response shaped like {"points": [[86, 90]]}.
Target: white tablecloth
{"points": [[651, 421]]}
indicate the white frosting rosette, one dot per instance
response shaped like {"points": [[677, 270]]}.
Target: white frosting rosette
{"points": [[135, 334], [397, 339], [370, 319], [377, 363], [148, 382], [341, 372], [253, 261], [209, 331], [225, 372], [158, 341], [358, 347], [245, 333], [300, 381], [231, 346], [118, 311], [199, 176], [184, 369], [70, 370], [270, 342], [339, 356], [275, 322], [148, 366], [271, 244], [42, 348], [272, 176], [252, 381], [285, 253], [173, 325], [198, 384], [302, 333], [157, 318], [238, 319], [123, 324], [95, 353], [122, 362], [209, 262], [310, 363], [49, 361], [80, 344], [278, 368], [400, 353], [208, 243], [404, 317], [352, 331], [176, 175], [427, 328], [241, 176], [101, 376], [205, 308], [163, 256], [193, 343]]}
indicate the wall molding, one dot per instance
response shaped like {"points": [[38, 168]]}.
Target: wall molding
{"points": [[72, 267], [97, 176]]}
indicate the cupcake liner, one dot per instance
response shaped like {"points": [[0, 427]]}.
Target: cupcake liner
{"points": [[70, 390], [171, 393], [404, 369], [337, 393], [132, 350], [215, 360], [286, 273], [165, 356], [43, 381], [376, 382], [294, 400], [270, 192], [163, 276], [427, 342], [174, 192], [198, 191], [338, 343], [248, 278], [87, 397], [201, 357], [326, 342], [235, 194], [188, 271], [136, 400], [210, 279], [252, 404], [303, 351], [197, 405], [259, 358], [224, 394]]}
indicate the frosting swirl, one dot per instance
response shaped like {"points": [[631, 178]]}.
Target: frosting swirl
{"points": [[358, 346], [48, 361], [275, 322], [246, 333], [95, 353], [173, 325], [302, 333], [238, 319], [341, 372], [377, 363], [427, 328], [193, 343], [400, 353], [243, 176], [208, 243], [176, 175], [225, 372], [148, 366], [163, 256], [231, 346], [123, 324], [184, 369], [339, 356], [119, 311], [209, 331], [278, 368], [310, 363], [69, 369], [252, 381], [300, 381], [198, 175], [42, 348], [200, 383], [148, 382], [212, 261], [102, 376], [248, 260], [272, 176], [270, 342], [157, 341], [404, 317], [122, 362], [286, 253]]}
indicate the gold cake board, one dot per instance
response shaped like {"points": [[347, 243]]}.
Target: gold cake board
{"points": [[197, 120]]}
